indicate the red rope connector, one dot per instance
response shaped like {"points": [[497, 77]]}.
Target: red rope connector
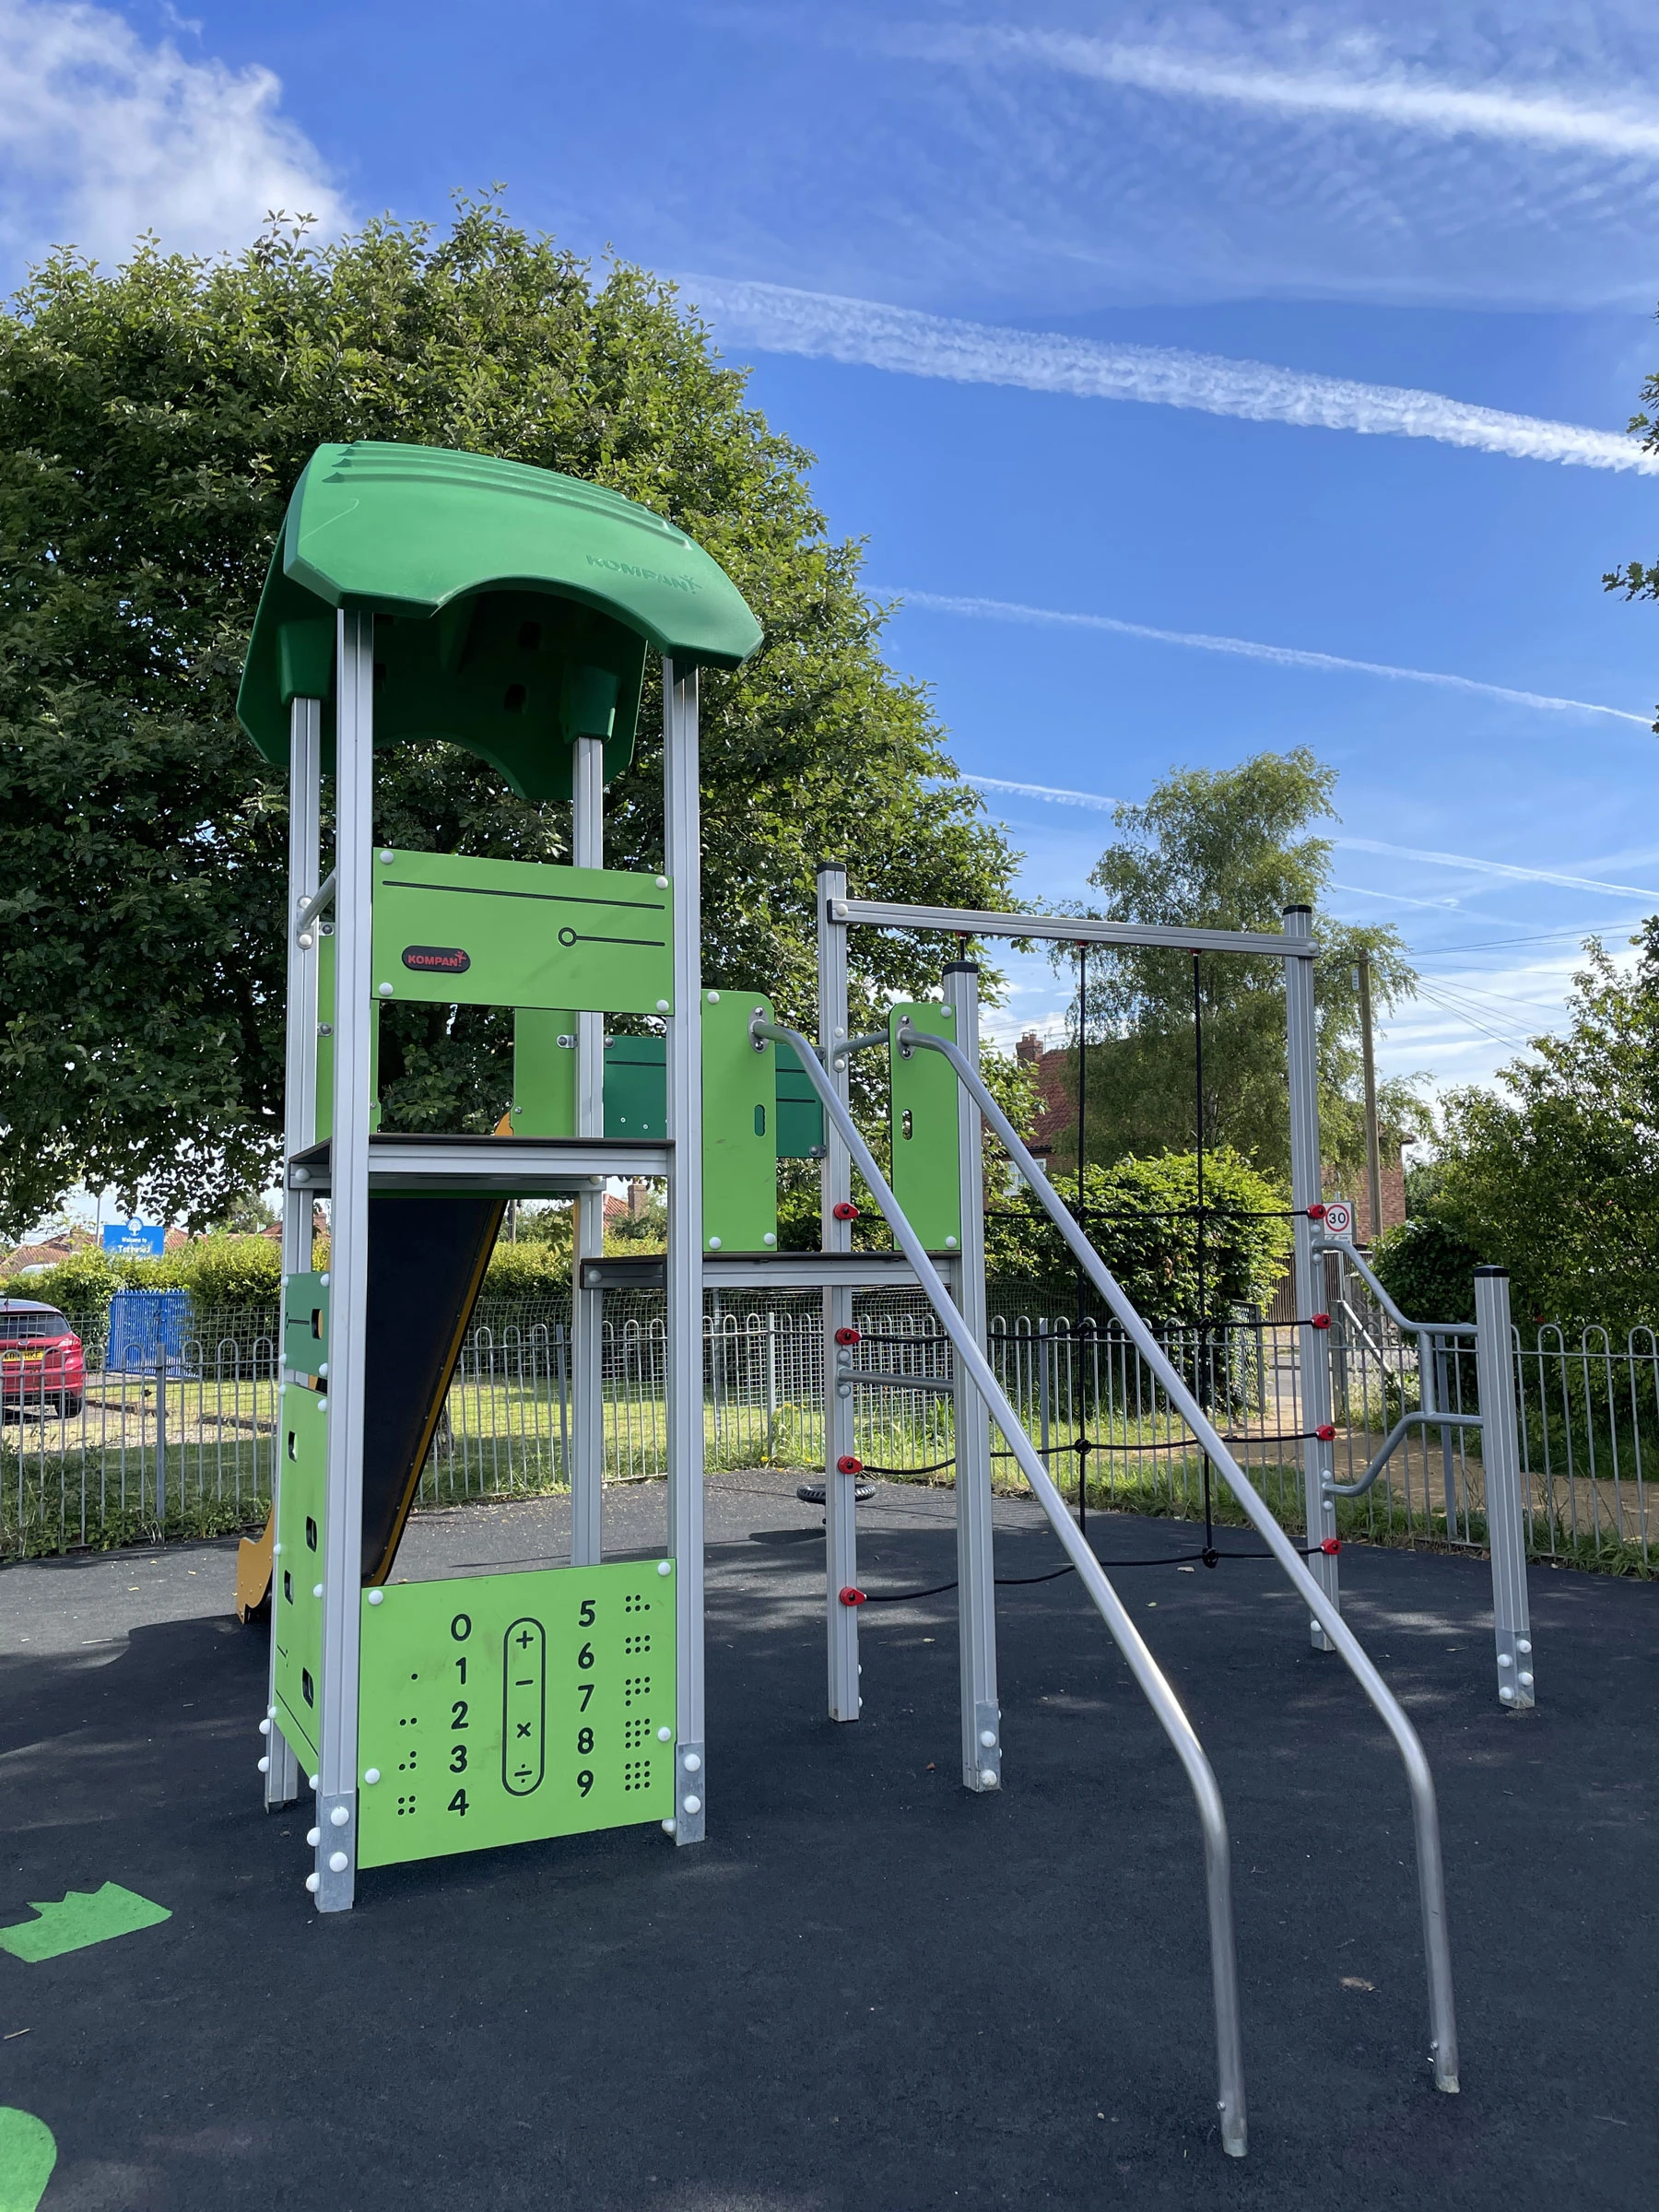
{"points": [[1331, 1546], [1320, 1320], [1316, 1211], [1325, 1432], [845, 1211], [847, 1465], [847, 1336], [850, 1596]]}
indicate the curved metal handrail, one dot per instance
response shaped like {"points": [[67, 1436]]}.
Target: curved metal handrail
{"points": [[1431, 1878]]}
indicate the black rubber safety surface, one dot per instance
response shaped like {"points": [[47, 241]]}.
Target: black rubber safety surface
{"points": [[869, 1988]]}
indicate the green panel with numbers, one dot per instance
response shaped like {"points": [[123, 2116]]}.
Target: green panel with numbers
{"points": [[543, 1071], [296, 1565], [924, 1096], [506, 1708], [739, 1127], [451, 931]]}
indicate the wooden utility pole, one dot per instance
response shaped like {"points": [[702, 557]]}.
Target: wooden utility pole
{"points": [[1373, 1156]]}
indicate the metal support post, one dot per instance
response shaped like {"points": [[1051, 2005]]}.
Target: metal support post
{"points": [[300, 1106], [840, 1533], [347, 1263], [160, 1441], [976, 1569], [1302, 1051], [587, 1307], [683, 836], [1501, 1457]]}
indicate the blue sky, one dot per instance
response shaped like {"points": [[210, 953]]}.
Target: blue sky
{"points": [[1298, 338]]}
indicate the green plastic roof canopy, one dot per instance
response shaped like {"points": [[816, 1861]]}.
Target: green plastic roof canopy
{"points": [[513, 607]]}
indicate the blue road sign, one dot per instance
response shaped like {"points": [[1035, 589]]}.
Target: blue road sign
{"points": [[134, 1239]]}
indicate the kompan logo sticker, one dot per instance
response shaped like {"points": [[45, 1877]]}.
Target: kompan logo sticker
{"points": [[442, 960]]}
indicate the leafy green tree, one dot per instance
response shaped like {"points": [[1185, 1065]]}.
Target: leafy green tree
{"points": [[1427, 1269], [1556, 1176], [152, 424], [1228, 849]]}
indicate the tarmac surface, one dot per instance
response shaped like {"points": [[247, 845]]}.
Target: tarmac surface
{"points": [[868, 1989]]}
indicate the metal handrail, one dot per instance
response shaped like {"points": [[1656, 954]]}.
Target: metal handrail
{"points": [[1425, 1417], [1431, 1880], [1224, 1967], [1363, 1268]]}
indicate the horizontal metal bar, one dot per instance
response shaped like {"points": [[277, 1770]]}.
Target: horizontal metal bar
{"points": [[770, 1271], [321, 900], [1067, 929], [554, 1167], [1391, 1442], [871, 1379]]}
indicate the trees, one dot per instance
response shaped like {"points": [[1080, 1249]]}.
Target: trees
{"points": [[1558, 1180], [1230, 849], [152, 424]]}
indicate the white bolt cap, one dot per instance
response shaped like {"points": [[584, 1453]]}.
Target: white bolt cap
{"points": [[987, 1778], [662, 883], [1526, 1681], [377, 1597], [690, 1805], [322, 1278], [276, 1551], [314, 1836], [264, 1766], [306, 940], [662, 1006], [272, 1711], [769, 1237], [1506, 1692], [692, 1762], [664, 1736], [950, 1243], [337, 1862], [313, 1882], [1524, 1644], [664, 1566], [668, 1826], [339, 1816], [313, 1781], [385, 989], [714, 998], [714, 1244], [316, 1588], [264, 1727], [372, 1776], [1504, 1659], [323, 1373], [988, 1739], [386, 853]]}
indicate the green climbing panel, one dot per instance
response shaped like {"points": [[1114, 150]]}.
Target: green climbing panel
{"points": [[305, 1323], [800, 1109], [636, 1088], [325, 1007], [297, 1568], [450, 931], [511, 1707], [740, 1126], [926, 1096], [543, 1071]]}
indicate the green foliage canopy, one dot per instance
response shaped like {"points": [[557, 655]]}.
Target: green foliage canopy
{"points": [[1230, 849], [1428, 1269], [1556, 1177], [152, 424]]}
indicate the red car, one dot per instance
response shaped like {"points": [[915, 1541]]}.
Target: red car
{"points": [[41, 1358]]}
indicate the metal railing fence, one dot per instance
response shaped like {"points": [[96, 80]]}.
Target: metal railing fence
{"points": [[187, 1446]]}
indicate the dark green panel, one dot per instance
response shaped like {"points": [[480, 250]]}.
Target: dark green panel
{"points": [[923, 1096], [800, 1114], [305, 1323], [543, 1071], [739, 1127], [636, 1088], [454, 931], [297, 1564], [506, 1708]]}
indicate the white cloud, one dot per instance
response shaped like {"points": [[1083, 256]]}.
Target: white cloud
{"points": [[1092, 799], [1497, 868], [103, 137], [1286, 656], [1368, 89], [779, 319]]}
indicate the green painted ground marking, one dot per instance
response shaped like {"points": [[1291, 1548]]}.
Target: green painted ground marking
{"points": [[28, 2153], [83, 1917]]}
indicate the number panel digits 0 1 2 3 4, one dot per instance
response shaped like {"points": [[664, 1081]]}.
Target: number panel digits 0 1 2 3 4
{"points": [[508, 1708]]}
